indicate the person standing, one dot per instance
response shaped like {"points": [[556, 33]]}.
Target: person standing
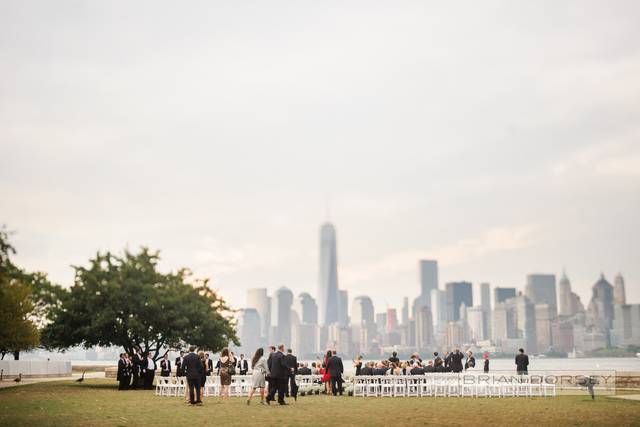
{"points": [[243, 365], [149, 371], [122, 376], [136, 368], [471, 361], [522, 363], [193, 370], [225, 362], [335, 367], [270, 380], [280, 374], [165, 366], [456, 361], [486, 362], [357, 363], [208, 364], [205, 367], [292, 363], [179, 361], [394, 358], [447, 361], [260, 369]]}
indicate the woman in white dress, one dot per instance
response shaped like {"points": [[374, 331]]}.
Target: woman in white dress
{"points": [[260, 370]]}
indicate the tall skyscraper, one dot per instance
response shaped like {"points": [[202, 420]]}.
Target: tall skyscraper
{"points": [[541, 289], [306, 308], [626, 325], [477, 323], [424, 328], [258, 299], [362, 311], [248, 325], [564, 295], [392, 320], [343, 308], [544, 325], [502, 294], [484, 296], [619, 296], [281, 319], [405, 311], [428, 280], [439, 310], [458, 293], [526, 322], [328, 285], [600, 310]]}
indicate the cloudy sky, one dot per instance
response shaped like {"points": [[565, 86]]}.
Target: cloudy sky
{"points": [[501, 138]]}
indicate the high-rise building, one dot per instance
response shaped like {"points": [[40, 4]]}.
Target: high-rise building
{"points": [[362, 310], [392, 320], [526, 322], [424, 328], [564, 296], [258, 299], [306, 308], [428, 280], [248, 326], [626, 325], [281, 319], [483, 295], [544, 323], [503, 294], [405, 311], [458, 293], [439, 310], [477, 323], [503, 322], [619, 296], [343, 307], [328, 285], [600, 310], [381, 323], [541, 289]]}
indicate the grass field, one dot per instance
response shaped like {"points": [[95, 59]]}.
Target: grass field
{"points": [[98, 403]]}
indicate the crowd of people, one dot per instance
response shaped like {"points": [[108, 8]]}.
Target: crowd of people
{"points": [[273, 375]]}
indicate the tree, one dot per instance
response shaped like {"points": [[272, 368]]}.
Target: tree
{"points": [[25, 302], [125, 301]]}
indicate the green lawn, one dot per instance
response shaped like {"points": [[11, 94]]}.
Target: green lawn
{"points": [[98, 403]]}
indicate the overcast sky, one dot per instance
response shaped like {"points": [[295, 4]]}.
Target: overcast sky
{"points": [[501, 138]]}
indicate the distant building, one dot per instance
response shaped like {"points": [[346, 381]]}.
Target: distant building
{"points": [[502, 294], [626, 325], [599, 317], [343, 308], [619, 296], [424, 328], [541, 289], [392, 320], [248, 328], [328, 283], [564, 296], [281, 319], [526, 322], [405, 311], [363, 323], [439, 310], [258, 299], [458, 293], [306, 308], [477, 323], [544, 324], [428, 280]]}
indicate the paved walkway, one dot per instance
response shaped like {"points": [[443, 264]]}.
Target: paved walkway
{"points": [[627, 396], [5, 383]]}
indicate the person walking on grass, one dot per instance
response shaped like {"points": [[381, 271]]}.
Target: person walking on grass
{"points": [[258, 378], [193, 370]]}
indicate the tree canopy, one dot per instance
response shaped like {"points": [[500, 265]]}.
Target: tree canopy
{"points": [[125, 301]]}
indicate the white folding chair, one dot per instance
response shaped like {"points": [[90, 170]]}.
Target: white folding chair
{"points": [[399, 386], [386, 386], [373, 386]]}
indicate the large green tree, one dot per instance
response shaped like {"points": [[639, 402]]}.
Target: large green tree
{"points": [[25, 299], [125, 301]]}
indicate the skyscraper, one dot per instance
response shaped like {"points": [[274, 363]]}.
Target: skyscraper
{"points": [[619, 296], [306, 308], [484, 296], [362, 311], [343, 307], [477, 323], [428, 280], [564, 296], [248, 326], [600, 309], [405, 311], [282, 301], [424, 328], [502, 294], [526, 322], [541, 289], [328, 284], [258, 299], [458, 293], [439, 310]]}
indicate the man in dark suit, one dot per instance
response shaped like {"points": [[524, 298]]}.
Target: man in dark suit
{"points": [[279, 373], [292, 364], [456, 361], [334, 365], [522, 363], [136, 369], [165, 366], [193, 370], [209, 364], [271, 381], [417, 370], [243, 365], [123, 374], [447, 361], [394, 358], [179, 364], [304, 370]]}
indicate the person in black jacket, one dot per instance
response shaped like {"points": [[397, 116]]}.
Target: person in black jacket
{"points": [[193, 370], [136, 369], [334, 365], [179, 364], [456, 361], [124, 375], [292, 364], [279, 374], [165, 366], [243, 365], [447, 361], [394, 358], [522, 363]]}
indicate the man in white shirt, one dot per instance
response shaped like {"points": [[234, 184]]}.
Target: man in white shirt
{"points": [[150, 372]]}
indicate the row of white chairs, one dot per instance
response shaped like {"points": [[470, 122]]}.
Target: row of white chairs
{"points": [[447, 386]]}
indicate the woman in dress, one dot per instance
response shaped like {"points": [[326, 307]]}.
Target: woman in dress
{"points": [[326, 376], [203, 378], [260, 369], [358, 365], [225, 364]]}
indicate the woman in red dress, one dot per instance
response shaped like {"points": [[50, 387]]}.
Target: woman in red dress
{"points": [[326, 377]]}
